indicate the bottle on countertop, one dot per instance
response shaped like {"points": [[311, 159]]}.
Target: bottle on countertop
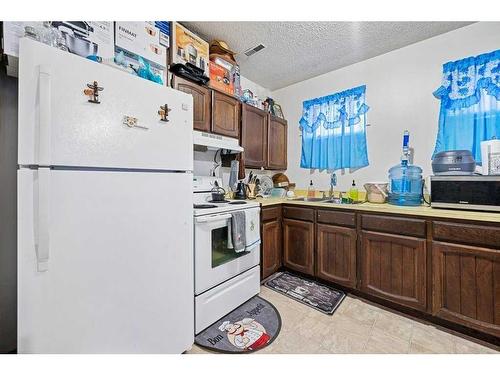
{"points": [[353, 191], [310, 190]]}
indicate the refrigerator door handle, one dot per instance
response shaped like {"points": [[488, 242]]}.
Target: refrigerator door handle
{"points": [[44, 114], [42, 240]]}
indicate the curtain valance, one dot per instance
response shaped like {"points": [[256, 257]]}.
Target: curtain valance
{"points": [[470, 103], [331, 111], [464, 81]]}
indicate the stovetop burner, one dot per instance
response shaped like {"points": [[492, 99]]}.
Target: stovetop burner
{"points": [[238, 202], [224, 201], [204, 206]]}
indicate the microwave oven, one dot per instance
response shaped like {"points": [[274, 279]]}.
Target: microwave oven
{"points": [[473, 192]]}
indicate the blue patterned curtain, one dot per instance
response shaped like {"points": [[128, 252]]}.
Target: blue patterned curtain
{"points": [[334, 131], [470, 103]]}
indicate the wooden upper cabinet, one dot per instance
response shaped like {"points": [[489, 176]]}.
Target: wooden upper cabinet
{"points": [[394, 268], [254, 136], [202, 102], [336, 254], [277, 143], [225, 112], [466, 286], [298, 245]]}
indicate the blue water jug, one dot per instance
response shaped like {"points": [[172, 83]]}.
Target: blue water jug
{"points": [[405, 188]]}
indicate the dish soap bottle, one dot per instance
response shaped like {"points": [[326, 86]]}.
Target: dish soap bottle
{"points": [[353, 192], [310, 190]]}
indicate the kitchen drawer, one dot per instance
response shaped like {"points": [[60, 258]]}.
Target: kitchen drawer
{"points": [[345, 219], [478, 235], [271, 213], [216, 302], [396, 225], [299, 213]]}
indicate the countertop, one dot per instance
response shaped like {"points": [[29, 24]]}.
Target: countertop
{"points": [[386, 208]]}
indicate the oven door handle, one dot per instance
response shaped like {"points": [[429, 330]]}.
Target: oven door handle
{"points": [[209, 219]]}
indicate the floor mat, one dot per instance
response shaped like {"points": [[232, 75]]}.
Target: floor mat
{"points": [[308, 292], [250, 327]]}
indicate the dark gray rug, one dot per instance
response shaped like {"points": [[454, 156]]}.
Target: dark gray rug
{"points": [[250, 327], [320, 297]]}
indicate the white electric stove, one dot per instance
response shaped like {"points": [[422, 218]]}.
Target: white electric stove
{"points": [[224, 279], [202, 198]]}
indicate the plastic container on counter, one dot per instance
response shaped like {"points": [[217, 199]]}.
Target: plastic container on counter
{"points": [[405, 186]]}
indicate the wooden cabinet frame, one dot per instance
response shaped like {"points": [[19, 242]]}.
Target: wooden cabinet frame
{"points": [[336, 262], [209, 116], [225, 120], [265, 147], [291, 249], [255, 147], [427, 243], [272, 240], [277, 144], [396, 269], [466, 286], [202, 112], [223, 114]]}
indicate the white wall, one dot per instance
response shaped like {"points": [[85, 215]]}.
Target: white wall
{"points": [[399, 88], [258, 90]]}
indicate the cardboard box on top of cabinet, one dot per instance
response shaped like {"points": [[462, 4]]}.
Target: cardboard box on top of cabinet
{"points": [[141, 39], [99, 32], [164, 27], [187, 47], [221, 78]]}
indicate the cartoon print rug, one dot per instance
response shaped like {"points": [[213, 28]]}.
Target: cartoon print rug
{"points": [[250, 327], [308, 292]]}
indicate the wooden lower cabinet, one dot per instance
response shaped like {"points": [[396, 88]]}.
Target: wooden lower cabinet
{"points": [[271, 247], [394, 267], [336, 254], [459, 283], [298, 245], [466, 286]]}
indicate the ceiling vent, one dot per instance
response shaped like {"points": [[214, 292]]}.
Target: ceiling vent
{"points": [[254, 50]]}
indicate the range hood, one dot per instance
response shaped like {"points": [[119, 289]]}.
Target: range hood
{"points": [[208, 141]]}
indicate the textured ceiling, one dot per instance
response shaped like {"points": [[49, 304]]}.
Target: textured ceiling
{"points": [[296, 51]]}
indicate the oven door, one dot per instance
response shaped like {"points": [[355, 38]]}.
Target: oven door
{"points": [[214, 261]]}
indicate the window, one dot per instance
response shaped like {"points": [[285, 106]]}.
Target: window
{"points": [[470, 103], [334, 131]]}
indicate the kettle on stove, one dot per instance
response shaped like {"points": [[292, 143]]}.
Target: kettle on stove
{"points": [[241, 191]]}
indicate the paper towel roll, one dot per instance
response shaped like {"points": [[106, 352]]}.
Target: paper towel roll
{"points": [[233, 177], [490, 156]]}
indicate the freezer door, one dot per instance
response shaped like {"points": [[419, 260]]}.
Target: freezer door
{"points": [[58, 125], [105, 262]]}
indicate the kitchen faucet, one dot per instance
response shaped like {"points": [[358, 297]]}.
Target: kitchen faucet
{"points": [[333, 183]]}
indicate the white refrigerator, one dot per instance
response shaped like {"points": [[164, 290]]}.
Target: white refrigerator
{"points": [[105, 228]]}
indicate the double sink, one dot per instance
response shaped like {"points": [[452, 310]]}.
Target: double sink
{"points": [[322, 200]]}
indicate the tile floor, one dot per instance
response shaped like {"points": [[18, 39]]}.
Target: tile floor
{"points": [[356, 327]]}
